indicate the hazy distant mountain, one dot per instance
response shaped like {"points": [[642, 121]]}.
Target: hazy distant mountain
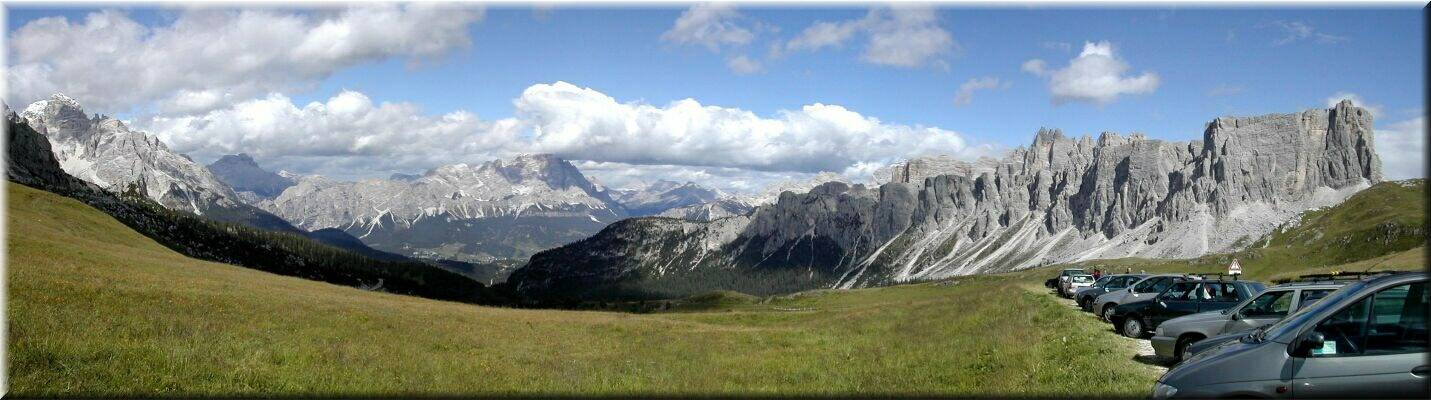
{"points": [[1061, 199], [664, 195], [242, 174], [503, 209]]}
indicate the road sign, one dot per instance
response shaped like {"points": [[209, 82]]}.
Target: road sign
{"points": [[1235, 268]]}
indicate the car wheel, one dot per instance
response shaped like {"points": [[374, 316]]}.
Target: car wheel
{"points": [[1108, 313], [1181, 349], [1132, 327]]}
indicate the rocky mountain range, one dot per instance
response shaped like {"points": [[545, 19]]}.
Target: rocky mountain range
{"points": [[502, 209], [1060, 199], [30, 161], [102, 150]]}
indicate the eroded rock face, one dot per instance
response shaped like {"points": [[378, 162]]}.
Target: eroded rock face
{"points": [[103, 151], [1060, 199]]}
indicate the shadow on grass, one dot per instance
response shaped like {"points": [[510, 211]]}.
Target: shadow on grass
{"points": [[1153, 360]]}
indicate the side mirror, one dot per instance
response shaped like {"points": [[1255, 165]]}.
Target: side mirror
{"points": [[1304, 347], [1236, 316]]}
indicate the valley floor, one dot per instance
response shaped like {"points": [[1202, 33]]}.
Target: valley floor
{"points": [[97, 309]]}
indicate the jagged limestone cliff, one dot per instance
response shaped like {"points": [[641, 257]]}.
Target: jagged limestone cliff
{"points": [[1061, 199]]}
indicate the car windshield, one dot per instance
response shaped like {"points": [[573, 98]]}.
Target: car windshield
{"points": [[1298, 317], [1101, 282]]}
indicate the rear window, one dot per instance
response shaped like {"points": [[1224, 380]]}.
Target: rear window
{"points": [[1083, 278]]}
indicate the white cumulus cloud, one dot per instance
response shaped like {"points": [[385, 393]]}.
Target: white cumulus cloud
{"points": [[581, 123], [743, 65], [966, 90], [345, 128], [900, 36], [1096, 76], [349, 135], [712, 25], [1402, 147], [206, 58]]}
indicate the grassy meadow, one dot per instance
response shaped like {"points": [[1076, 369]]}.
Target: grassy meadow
{"points": [[97, 309]]}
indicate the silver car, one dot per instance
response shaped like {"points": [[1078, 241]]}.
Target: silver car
{"points": [[1074, 283], [1107, 283], [1145, 289], [1367, 339], [1173, 336]]}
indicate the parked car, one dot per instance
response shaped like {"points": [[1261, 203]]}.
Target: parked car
{"points": [[1074, 282], [1173, 337], [1143, 289], [1367, 339], [1182, 298], [1062, 276], [1106, 284]]}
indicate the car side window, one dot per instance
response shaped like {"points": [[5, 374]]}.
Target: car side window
{"points": [[1179, 292], [1146, 285], [1393, 321], [1158, 285], [1343, 331], [1218, 291], [1398, 321], [1269, 304]]}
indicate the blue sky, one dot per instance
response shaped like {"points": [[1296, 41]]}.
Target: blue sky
{"points": [[1206, 63]]}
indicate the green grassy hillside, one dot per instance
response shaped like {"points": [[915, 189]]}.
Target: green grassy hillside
{"points": [[98, 309], [1385, 225]]}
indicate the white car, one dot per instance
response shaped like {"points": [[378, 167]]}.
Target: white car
{"points": [[1067, 287]]}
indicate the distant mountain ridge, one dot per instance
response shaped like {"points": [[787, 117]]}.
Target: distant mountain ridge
{"points": [[1059, 200], [501, 209]]}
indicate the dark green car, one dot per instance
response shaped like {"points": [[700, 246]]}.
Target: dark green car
{"points": [[1183, 298]]}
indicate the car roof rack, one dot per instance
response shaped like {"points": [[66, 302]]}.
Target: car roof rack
{"points": [[1334, 276], [1220, 276]]}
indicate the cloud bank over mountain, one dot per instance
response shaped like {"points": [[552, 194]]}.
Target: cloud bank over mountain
{"points": [[560, 118]]}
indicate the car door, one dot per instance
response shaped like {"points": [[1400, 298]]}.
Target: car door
{"points": [[1268, 307], [1375, 347], [1180, 299]]}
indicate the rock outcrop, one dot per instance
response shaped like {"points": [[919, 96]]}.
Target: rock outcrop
{"points": [[1060, 199]]}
